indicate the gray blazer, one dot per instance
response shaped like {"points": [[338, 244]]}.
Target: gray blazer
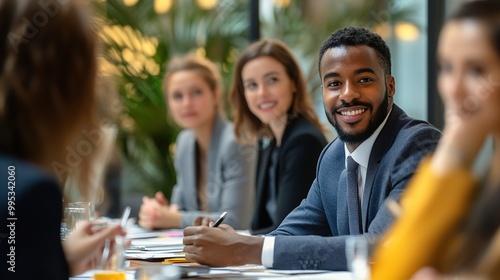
{"points": [[230, 177], [320, 223]]}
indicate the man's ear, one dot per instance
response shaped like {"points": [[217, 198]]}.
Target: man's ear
{"points": [[391, 86]]}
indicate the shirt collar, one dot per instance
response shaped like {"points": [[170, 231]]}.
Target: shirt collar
{"points": [[362, 153]]}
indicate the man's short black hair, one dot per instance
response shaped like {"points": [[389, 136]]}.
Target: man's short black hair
{"points": [[358, 36]]}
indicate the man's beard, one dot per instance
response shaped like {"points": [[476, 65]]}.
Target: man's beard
{"points": [[376, 119]]}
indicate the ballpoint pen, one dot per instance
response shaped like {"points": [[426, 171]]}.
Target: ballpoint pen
{"points": [[220, 219], [119, 243], [124, 219]]}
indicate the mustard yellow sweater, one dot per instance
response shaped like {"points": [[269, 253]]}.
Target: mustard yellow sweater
{"points": [[433, 208]]}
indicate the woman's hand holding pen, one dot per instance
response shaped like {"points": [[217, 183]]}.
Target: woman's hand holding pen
{"points": [[156, 213], [221, 246]]}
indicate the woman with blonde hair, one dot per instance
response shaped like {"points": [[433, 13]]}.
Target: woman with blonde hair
{"points": [[47, 97], [272, 107], [215, 174]]}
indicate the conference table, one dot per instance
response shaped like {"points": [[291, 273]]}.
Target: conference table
{"points": [[155, 252]]}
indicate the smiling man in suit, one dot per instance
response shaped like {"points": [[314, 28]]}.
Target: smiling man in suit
{"points": [[375, 136]]}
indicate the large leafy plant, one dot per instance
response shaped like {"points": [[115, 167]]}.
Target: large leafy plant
{"points": [[137, 45], [139, 42]]}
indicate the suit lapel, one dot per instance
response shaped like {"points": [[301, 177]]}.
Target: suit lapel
{"points": [[263, 166], [264, 159], [189, 177], [382, 144]]}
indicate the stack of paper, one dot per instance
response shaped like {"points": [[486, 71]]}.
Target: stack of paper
{"points": [[154, 245]]}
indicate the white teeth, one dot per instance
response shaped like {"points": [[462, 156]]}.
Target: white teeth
{"points": [[266, 105], [352, 113]]}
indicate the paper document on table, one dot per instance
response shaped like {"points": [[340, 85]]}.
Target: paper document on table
{"points": [[155, 248], [261, 271], [156, 233], [153, 256], [136, 232], [158, 241]]}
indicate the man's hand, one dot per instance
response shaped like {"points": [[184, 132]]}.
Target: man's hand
{"points": [[221, 246]]}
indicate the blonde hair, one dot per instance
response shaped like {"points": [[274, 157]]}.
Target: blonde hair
{"points": [[190, 62]]}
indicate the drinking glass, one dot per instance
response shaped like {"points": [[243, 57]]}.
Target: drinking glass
{"points": [[76, 212], [357, 254], [64, 227]]}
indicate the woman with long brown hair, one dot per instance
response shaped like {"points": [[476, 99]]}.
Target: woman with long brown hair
{"points": [[272, 107]]}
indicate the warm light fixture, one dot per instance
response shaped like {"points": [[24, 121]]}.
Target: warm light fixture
{"points": [[281, 3], [162, 6], [130, 2], [135, 53], [406, 31], [206, 4]]}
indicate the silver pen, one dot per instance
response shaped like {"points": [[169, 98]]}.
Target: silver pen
{"points": [[220, 219]]}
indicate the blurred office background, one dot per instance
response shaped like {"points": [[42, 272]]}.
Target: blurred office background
{"points": [[140, 36]]}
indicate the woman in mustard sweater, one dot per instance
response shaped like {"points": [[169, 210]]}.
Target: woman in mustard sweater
{"points": [[449, 219]]}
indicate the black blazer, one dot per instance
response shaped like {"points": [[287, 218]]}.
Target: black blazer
{"points": [[298, 154], [34, 235]]}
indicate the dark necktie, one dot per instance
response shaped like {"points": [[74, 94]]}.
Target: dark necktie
{"points": [[352, 196]]}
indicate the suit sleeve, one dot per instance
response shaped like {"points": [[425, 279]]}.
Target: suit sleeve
{"points": [[297, 172], [307, 243]]}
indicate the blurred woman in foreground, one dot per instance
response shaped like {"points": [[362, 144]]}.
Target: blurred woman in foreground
{"points": [[450, 219], [47, 85]]}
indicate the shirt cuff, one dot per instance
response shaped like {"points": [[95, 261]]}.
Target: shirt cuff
{"points": [[267, 257]]}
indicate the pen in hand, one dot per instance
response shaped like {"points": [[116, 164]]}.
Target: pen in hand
{"points": [[107, 243], [220, 219], [124, 218]]}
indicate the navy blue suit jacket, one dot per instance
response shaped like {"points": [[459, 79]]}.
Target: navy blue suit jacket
{"points": [[313, 235], [35, 237]]}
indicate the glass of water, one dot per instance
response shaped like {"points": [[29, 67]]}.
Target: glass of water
{"points": [[76, 212], [357, 254]]}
